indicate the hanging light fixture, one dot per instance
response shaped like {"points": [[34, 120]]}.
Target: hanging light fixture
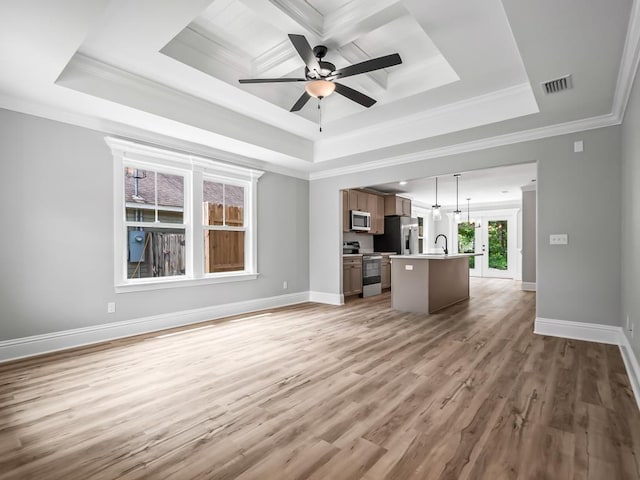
{"points": [[457, 212], [435, 209], [468, 221]]}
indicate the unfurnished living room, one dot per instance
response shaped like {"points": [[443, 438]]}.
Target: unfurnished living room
{"points": [[320, 239]]}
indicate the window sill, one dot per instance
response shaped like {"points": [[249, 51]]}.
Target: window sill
{"points": [[172, 282]]}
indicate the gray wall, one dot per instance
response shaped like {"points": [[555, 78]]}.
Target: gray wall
{"points": [[56, 247], [529, 236], [629, 246], [578, 194]]}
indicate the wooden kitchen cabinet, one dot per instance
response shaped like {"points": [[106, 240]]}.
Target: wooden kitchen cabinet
{"points": [[406, 207], [376, 209], [395, 205], [386, 271], [351, 275], [379, 219], [363, 202], [358, 200]]}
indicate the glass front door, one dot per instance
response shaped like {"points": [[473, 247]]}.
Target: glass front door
{"points": [[494, 235], [467, 243], [499, 245]]}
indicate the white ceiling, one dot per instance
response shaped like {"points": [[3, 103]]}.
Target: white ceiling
{"points": [[484, 187], [167, 72]]}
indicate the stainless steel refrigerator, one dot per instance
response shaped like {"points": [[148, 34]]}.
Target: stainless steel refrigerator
{"points": [[400, 236]]}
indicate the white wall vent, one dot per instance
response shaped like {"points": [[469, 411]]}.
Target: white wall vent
{"points": [[557, 85]]}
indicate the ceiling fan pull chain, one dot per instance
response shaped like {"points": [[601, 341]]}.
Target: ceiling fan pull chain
{"points": [[320, 113]]}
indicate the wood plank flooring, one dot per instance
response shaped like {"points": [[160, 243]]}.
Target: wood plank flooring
{"points": [[324, 392]]}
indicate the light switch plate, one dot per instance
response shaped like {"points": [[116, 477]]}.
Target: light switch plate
{"points": [[408, 267], [558, 239], [578, 146]]}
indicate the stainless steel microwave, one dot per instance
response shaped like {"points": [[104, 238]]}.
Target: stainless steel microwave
{"points": [[360, 221]]}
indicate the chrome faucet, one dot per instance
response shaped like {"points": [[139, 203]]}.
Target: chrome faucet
{"points": [[446, 250]]}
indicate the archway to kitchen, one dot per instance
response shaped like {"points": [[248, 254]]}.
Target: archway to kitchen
{"points": [[496, 217]]}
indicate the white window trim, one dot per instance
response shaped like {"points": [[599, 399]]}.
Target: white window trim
{"points": [[194, 168]]}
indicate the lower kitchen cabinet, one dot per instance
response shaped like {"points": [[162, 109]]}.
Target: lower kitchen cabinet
{"points": [[351, 276], [386, 272]]}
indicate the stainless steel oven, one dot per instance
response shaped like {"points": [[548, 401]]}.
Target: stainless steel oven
{"points": [[371, 275]]}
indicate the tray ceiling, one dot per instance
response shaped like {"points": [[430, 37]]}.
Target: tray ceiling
{"points": [[167, 72]]}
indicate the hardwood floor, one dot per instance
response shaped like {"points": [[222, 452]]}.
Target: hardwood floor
{"points": [[323, 392]]}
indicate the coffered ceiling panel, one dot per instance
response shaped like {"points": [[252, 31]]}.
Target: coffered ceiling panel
{"points": [[230, 40]]}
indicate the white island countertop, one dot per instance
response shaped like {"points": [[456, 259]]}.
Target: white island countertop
{"points": [[436, 256]]}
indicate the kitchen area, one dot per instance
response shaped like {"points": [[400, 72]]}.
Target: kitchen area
{"points": [[375, 226], [379, 238], [398, 237]]}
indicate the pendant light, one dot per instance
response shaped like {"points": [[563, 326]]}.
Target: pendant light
{"points": [[435, 209], [457, 212], [476, 224]]}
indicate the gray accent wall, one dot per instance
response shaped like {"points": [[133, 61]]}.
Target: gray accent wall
{"points": [[630, 242], [578, 194], [56, 246]]}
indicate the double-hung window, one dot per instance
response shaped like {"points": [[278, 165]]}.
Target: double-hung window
{"points": [[181, 219]]}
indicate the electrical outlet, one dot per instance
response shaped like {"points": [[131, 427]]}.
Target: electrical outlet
{"points": [[285, 285], [111, 307], [558, 239]]}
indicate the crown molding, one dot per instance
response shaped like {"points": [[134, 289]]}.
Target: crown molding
{"points": [[349, 21], [273, 58], [109, 127], [211, 46], [628, 63], [302, 13], [506, 104], [481, 144]]}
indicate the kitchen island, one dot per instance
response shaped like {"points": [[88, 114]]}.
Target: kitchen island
{"points": [[426, 283]]}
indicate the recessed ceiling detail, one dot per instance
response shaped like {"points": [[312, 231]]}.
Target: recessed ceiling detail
{"points": [[230, 41], [169, 74]]}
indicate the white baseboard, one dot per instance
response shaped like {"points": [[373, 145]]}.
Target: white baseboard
{"points": [[590, 332], [329, 298], [593, 332], [528, 286], [51, 342], [631, 364]]}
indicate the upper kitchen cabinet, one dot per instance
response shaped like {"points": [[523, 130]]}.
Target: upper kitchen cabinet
{"points": [[395, 205], [358, 200], [363, 202], [376, 209]]}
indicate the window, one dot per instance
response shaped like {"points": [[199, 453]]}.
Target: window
{"points": [[181, 219]]}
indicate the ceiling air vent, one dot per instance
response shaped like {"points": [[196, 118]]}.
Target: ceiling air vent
{"points": [[557, 85]]}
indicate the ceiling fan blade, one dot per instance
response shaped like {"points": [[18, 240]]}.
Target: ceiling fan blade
{"points": [[303, 48], [368, 66], [354, 95], [271, 80], [302, 101]]}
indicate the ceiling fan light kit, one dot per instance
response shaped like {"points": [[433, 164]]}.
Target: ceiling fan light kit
{"points": [[320, 76], [320, 88]]}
